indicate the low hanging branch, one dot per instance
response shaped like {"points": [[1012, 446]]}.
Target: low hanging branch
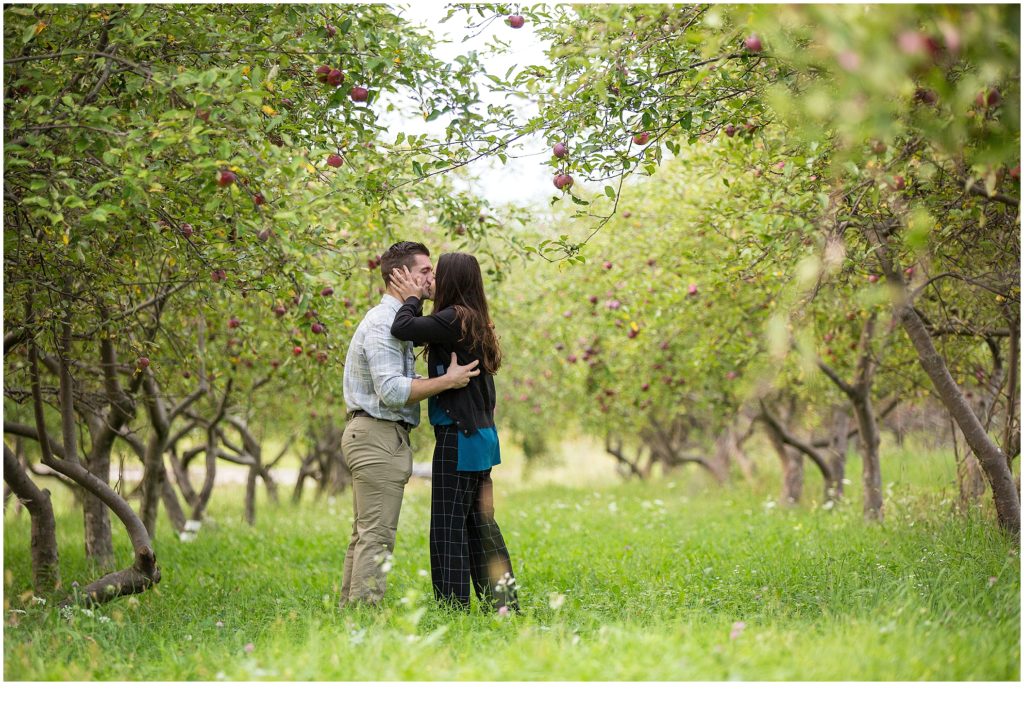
{"points": [[45, 558], [143, 572], [789, 439]]}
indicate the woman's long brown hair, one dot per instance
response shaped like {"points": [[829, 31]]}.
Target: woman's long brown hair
{"points": [[459, 284]]}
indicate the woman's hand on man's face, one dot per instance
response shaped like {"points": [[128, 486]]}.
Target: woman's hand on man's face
{"points": [[406, 284]]}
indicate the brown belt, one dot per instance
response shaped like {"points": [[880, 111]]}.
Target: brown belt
{"points": [[359, 412]]}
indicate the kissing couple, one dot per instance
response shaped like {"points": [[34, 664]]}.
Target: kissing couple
{"points": [[382, 397]]}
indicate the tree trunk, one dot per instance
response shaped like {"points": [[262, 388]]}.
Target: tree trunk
{"points": [[837, 446], [970, 480], [144, 571], [154, 477], [792, 463], [304, 472], [867, 429], [250, 497], [203, 498], [45, 558], [99, 538], [992, 459], [173, 506]]}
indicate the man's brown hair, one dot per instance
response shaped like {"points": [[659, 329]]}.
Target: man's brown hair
{"points": [[401, 254]]}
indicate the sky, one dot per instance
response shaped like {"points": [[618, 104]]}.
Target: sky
{"points": [[527, 175]]}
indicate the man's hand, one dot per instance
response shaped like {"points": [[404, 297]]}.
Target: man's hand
{"points": [[458, 375], [406, 284]]}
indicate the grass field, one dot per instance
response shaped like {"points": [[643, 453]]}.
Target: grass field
{"points": [[669, 580]]}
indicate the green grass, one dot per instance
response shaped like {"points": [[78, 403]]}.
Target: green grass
{"points": [[654, 578]]}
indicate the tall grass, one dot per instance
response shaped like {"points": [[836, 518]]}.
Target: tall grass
{"points": [[674, 580]]}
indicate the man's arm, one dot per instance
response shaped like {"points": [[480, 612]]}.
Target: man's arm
{"points": [[456, 377]]}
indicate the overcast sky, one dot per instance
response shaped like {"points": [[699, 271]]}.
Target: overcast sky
{"points": [[527, 175]]}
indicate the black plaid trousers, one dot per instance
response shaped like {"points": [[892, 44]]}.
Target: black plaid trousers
{"points": [[465, 541]]}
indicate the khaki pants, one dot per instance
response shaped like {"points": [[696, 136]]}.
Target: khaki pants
{"points": [[380, 458]]}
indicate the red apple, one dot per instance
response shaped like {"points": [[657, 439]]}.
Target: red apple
{"points": [[731, 375], [219, 275], [287, 103], [359, 94], [234, 323], [327, 292], [280, 310], [321, 356], [827, 337], [186, 374], [607, 265], [1015, 172], [571, 358], [913, 43], [988, 98], [878, 147], [335, 78], [652, 262], [641, 138], [633, 333], [563, 181], [335, 160], [203, 114], [317, 328], [753, 43], [186, 230], [297, 350], [926, 95], [644, 387], [592, 299], [560, 150], [264, 235], [516, 21], [322, 72], [627, 214], [872, 278], [226, 177], [898, 183], [692, 290], [730, 130], [371, 263], [909, 272], [275, 364], [331, 31], [259, 199], [142, 362]]}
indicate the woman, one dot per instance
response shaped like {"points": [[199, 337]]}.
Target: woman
{"points": [[465, 541]]}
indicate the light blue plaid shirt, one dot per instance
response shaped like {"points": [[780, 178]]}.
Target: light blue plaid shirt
{"points": [[379, 368]]}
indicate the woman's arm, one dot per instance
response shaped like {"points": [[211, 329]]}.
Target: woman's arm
{"points": [[410, 325]]}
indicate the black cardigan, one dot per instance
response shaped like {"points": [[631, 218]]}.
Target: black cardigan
{"points": [[470, 407]]}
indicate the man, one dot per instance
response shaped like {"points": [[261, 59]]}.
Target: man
{"points": [[382, 395]]}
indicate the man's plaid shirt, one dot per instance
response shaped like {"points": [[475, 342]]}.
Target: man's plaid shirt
{"points": [[379, 368]]}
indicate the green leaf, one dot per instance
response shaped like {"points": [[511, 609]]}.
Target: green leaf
{"points": [[336, 99], [686, 121], [610, 191]]}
